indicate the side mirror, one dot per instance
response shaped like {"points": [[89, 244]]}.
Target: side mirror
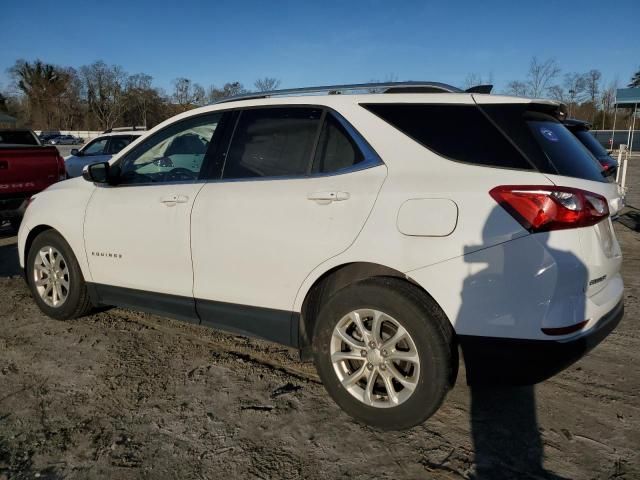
{"points": [[163, 162], [75, 152], [96, 172]]}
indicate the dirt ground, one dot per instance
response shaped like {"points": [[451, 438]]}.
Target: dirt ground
{"points": [[126, 395]]}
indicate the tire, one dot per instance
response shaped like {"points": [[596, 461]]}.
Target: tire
{"points": [[430, 335], [76, 302]]}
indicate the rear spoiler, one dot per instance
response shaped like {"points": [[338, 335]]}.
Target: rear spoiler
{"points": [[480, 89]]}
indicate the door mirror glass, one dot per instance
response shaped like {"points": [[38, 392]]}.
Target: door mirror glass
{"points": [[75, 152], [96, 172]]}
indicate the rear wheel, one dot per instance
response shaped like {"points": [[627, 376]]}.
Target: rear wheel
{"points": [[55, 278], [385, 353]]}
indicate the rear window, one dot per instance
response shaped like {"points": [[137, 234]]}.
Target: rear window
{"points": [[545, 141], [19, 137], [457, 132], [591, 143]]}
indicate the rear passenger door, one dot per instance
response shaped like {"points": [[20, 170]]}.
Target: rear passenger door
{"points": [[295, 188]]}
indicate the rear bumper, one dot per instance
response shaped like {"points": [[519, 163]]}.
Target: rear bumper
{"points": [[508, 361]]}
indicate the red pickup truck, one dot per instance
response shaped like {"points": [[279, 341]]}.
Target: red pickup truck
{"points": [[26, 168]]}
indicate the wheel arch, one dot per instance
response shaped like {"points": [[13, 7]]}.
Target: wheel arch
{"points": [[31, 236], [335, 279]]}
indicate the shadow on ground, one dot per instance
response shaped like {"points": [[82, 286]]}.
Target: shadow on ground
{"points": [[9, 265]]}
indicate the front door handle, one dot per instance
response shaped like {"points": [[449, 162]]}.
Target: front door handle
{"points": [[328, 197], [171, 200]]}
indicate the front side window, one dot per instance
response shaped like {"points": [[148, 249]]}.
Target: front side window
{"points": [[97, 147], [118, 143], [272, 142], [172, 155]]}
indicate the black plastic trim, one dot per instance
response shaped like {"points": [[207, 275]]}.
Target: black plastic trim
{"points": [[266, 323], [510, 361], [280, 326]]}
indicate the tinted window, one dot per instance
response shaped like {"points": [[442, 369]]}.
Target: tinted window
{"points": [[118, 143], [458, 132], [565, 157], [271, 142], [336, 150], [591, 143], [18, 137], [175, 154], [96, 147], [564, 151]]}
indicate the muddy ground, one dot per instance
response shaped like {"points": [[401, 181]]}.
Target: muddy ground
{"points": [[126, 395]]}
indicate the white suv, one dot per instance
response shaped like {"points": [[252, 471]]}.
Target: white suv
{"points": [[377, 233]]}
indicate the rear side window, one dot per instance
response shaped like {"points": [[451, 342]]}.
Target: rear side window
{"points": [[457, 132], [545, 141], [18, 137], [272, 142], [336, 150]]}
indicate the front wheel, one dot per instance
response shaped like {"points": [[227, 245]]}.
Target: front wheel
{"points": [[55, 278], [385, 353]]}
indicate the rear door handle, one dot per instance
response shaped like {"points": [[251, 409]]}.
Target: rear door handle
{"points": [[328, 197], [171, 200]]}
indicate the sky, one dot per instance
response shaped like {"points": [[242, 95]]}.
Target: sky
{"points": [[324, 42]]}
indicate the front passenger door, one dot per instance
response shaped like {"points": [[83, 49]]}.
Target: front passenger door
{"points": [[137, 235]]}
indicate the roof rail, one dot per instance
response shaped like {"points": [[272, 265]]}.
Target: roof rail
{"points": [[125, 129], [387, 87]]}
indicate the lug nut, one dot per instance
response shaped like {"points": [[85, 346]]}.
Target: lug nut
{"points": [[370, 366], [372, 344], [384, 353], [363, 353], [383, 367]]}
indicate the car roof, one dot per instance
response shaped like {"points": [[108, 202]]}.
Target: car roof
{"points": [[124, 133], [574, 123]]}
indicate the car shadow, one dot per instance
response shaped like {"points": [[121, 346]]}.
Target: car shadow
{"points": [[510, 287], [9, 264], [630, 219]]}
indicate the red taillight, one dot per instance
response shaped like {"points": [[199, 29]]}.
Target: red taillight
{"points": [[544, 208]]}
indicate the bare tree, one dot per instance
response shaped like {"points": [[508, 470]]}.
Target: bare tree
{"points": [[575, 85], [105, 90], [230, 89], [540, 76], [266, 84], [517, 88], [471, 80], [557, 93], [187, 94]]}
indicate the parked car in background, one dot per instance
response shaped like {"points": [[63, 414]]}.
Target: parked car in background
{"points": [[45, 136], [99, 149], [26, 168], [65, 140], [580, 129], [377, 233]]}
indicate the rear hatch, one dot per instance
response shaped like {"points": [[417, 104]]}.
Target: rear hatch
{"points": [[564, 160]]}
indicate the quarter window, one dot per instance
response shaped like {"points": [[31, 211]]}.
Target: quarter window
{"points": [[172, 155], [272, 142], [458, 132]]}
